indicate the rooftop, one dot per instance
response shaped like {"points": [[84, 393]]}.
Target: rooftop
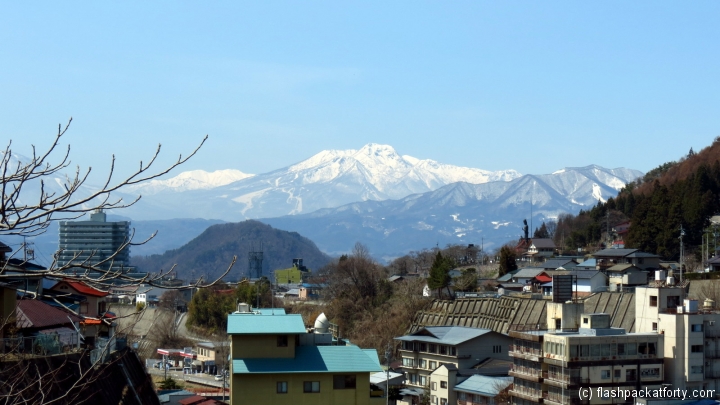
{"points": [[37, 314], [264, 322], [314, 359], [483, 385], [449, 335]]}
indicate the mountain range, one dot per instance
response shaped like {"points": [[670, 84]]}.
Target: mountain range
{"points": [[391, 202], [328, 179]]}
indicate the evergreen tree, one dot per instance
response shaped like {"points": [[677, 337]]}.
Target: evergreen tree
{"points": [[541, 232], [508, 262], [439, 276]]}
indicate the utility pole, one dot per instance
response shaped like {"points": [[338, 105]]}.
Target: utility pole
{"points": [[682, 252]]}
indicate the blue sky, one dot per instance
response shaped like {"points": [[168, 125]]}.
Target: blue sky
{"points": [[532, 86]]}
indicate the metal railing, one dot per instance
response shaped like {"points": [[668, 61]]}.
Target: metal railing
{"points": [[519, 349]]}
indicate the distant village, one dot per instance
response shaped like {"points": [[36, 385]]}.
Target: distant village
{"points": [[617, 325]]}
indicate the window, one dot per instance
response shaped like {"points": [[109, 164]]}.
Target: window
{"points": [[630, 375], [423, 363], [423, 347], [432, 348], [282, 341], [696, 369], [434, 386], [453, 351], [697, 327], [443, 384], [433, 365], [497, 348], [631, 349], [585, 320], [407, 362], [282, 387], [653, 300], [617, 373], [443, 401], [605, 374], [696, 348], [654, 326], [311, 386], [413, 378], [423, 380], [344, 381], [443, 349], [621, 349]]}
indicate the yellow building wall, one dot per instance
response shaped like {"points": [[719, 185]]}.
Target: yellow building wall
{"points": [[262, 389], [261, 346], [287, 276]]}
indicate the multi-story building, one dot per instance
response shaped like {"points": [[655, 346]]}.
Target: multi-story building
{"points": [[275, 361], [691, 334], [94, 242], [438, 357], [550, 366]]}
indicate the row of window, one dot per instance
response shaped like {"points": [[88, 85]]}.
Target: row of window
{"points": [[429, 348], [340, 382], [603, 350], [422, 363], [423, 380]]}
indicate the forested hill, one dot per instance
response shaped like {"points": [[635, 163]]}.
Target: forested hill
{"points": [[683, 193], [210, 253]]}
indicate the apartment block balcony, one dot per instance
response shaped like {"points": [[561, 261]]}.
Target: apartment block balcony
{"points": [[526, 393], [526, 373], [563, 380], [525, 352]]}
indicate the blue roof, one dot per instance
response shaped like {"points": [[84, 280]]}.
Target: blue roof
{"points": [[265, 323], [314, 359], [484, 385], [449, 335]]}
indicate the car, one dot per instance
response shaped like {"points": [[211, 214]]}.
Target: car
{"points": [[219, 377]]}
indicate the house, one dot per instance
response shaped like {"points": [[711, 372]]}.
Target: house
{"points": [[276, 361], [625, 275], [527, 274], [554, 264], [212, 357], [95, 300], [541, 248], [435, 356], [589, 264], [588, 281], [607, 258], [480, 389], [43, 326], [310, 291]]}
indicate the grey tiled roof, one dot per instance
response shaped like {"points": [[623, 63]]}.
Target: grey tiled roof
{"points": [[449, 335]]}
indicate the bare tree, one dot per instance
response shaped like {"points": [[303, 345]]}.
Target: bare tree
{"points": [[28, 212]]}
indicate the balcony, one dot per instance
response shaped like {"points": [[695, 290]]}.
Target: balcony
{"points": [[563, 380], [524, 352], [526, 393], [526, 373]]}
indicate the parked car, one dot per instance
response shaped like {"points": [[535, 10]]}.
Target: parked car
{"points": [[219, 377]]}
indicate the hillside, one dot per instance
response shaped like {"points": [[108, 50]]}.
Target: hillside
{"points": [[674, 195], [210, 253]]}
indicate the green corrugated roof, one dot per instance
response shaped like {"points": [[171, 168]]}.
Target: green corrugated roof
{"points": [[260, 324], [313, 359]]}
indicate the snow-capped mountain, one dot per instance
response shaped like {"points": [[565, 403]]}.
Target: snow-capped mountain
{"points": [[458, 213], [328, 179], [190, 180]]}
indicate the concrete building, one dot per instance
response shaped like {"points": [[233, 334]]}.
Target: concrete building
{"points": [[607, 258], [439, 357], [550, 366], [94, 242], [275, 361], [691, 334]]}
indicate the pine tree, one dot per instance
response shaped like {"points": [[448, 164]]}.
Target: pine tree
{"points": [[507, 261], [439, 276]]}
